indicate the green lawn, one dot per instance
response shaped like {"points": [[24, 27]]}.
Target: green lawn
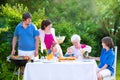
{"points": [[118, 70]]}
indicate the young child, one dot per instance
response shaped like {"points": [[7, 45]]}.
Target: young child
{"points": [[69, 52], [54, 51]]}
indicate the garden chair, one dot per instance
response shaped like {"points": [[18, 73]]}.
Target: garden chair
{"points": [[113, 77]]}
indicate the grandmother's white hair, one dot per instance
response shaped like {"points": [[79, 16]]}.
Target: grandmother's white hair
{"points": [[75, 38]]}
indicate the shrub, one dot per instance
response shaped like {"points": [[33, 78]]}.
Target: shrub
{"points": [[10, 16]]}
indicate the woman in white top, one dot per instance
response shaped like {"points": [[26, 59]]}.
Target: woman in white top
{"points": [[47, 36], [79, 49]]}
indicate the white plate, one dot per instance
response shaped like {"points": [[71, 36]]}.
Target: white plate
{"points": [[38, 60], [86, 60], [47, 61]]}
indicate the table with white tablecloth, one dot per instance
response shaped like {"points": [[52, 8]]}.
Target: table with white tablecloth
{"points": [[71, 70]]}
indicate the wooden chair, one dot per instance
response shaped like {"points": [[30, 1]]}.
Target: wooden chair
{"points": [[113, 77]]}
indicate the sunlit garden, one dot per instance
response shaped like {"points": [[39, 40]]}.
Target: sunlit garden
{"points": [[91, 19]]}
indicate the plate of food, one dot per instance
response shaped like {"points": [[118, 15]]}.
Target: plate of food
{"points": [[67, 59]]}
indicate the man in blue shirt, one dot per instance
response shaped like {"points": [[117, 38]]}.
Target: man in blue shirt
{"points": [[27, 36]]}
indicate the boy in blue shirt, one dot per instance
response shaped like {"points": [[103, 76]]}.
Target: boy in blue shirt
{"points": [[106, 59]]}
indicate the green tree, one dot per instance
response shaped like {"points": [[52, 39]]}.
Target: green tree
{"points": [[10, 16]]}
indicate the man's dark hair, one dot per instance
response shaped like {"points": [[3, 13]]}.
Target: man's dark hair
{"points": [[108, 41], [26, 16], [45, 23]]}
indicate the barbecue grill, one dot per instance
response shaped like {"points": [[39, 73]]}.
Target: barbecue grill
{"points": [[19, 62]]}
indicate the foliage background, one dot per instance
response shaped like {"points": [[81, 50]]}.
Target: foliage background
{"points": [[91, 19]]}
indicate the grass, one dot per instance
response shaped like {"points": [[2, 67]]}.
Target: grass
{"points": [[118, 70]]}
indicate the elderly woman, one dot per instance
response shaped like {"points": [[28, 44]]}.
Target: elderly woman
{"points": [[79, 49]]}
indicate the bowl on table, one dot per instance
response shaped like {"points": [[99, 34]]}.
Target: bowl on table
{"points": [[60, 39]]}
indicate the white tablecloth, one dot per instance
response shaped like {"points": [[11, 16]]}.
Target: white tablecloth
{"points": [[61, 71]]}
